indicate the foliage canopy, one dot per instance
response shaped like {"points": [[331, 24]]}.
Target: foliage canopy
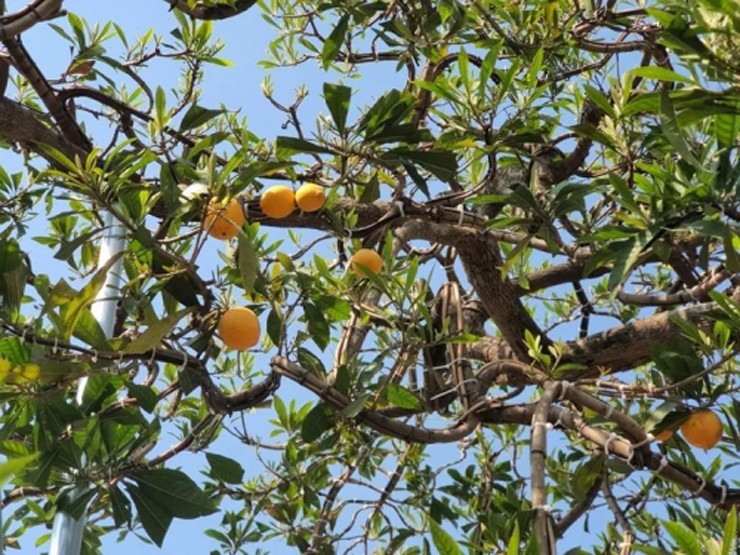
{"points": [[553, 188]]}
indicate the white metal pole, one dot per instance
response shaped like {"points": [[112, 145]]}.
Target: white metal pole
{"points": [[66, 535]]}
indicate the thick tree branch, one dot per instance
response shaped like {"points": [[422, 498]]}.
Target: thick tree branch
{"points": [[14, 24], [223, 11], [28, 68], [21, 125]]}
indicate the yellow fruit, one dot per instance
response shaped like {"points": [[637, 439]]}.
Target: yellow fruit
{"points": [[310, 197], [278, 202], [370, 259], [239, 328], [224, 222], [664, 436], [5, 366], [31, 371], [702, 429]]}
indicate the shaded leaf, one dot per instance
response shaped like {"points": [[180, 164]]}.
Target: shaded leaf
{"points": [[248, 262], [197, 116], [175, 491], [154, 519], [300, 145], [225, 469], [317, 421]]}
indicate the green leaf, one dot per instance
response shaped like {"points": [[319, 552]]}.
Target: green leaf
{"points": [[121, 507], [197, 116], [445, 544], [75, 500], [337, 99], [627, 253], [355, 407], [248, 262], [586, 475], [318, 328], [145, 395], [89, 331], [730, 532], [513, 547], [160, 107], [225, 469], [333, 43], [442, 163], [685, 538], [317, 421], [155, 519], [13, 466], [155, 333], [13, 350], [299, 145], [181, 286], [401, 397], [598, 98], [175, 491], [659, 74], [13, 274], [389, 110], [72, 310], [672, 131]]}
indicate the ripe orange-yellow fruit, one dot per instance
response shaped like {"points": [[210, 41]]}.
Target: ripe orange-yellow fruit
{"points": [[278, 202], [30, 371], [310, 197], [664, 435], [702, 429], [5, 368], [239, 328], [370, 259], [223, 222]]}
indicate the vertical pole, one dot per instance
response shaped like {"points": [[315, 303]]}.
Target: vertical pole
{"points": [[66, 535]]}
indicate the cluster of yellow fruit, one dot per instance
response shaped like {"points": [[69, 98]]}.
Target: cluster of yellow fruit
{"points": [[701, 429], [239, 327], [15, 373]]}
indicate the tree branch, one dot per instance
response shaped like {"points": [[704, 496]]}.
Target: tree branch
{"points": [[223, 11]]}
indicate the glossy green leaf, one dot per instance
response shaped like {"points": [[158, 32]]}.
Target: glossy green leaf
{"points": [[337, 99], [197, 116], [225, 469], [175, 492]]}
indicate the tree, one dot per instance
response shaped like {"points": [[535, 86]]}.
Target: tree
{"points": [[553, 190]]}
